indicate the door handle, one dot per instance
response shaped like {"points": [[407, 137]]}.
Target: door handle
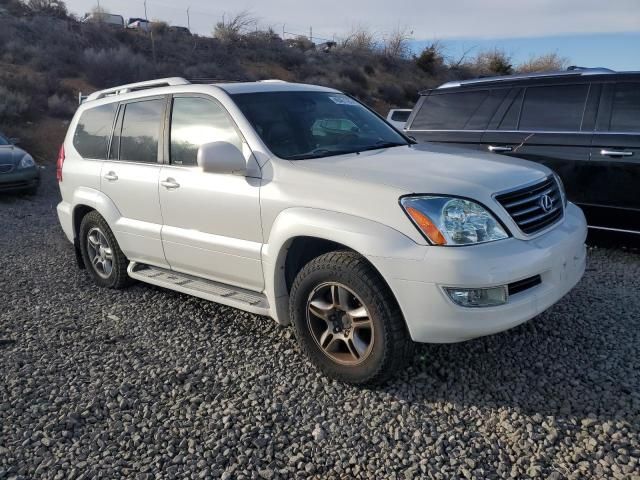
{"points": [[170, 183], [615, 153], [499, 149], [111, 176]]}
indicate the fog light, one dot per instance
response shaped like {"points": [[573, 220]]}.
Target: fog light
{"points": [[478, 297]]}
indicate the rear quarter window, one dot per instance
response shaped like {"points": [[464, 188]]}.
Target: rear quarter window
{"points": [[625, 109], [92, 135], [448, 111]]}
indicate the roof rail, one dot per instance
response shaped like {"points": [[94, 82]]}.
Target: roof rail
{"points": [[522, 76], [133, 87]]}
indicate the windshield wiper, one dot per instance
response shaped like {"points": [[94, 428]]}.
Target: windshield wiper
{"points": [[319, 153], [382, 144]]}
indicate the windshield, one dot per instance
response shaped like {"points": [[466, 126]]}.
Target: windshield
{"points": [[4, 141], [299, 125]]}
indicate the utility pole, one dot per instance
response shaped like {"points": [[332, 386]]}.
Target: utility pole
{"points": [[145, 10], [311, 34], [188, 19]]}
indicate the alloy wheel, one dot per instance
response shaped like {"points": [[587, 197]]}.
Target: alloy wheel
{"points": [[100, 252], [340, 323]]}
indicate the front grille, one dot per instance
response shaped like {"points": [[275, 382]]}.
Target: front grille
{"points": [[525, 284], [6, 167], [525, 205]]}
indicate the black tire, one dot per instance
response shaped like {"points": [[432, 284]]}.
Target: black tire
{"points": [[118, 277], [31, 191], [391, 345]]}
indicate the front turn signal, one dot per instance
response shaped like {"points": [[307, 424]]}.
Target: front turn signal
{"points": [[427, 226]]}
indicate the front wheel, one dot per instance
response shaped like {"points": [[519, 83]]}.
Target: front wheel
{"points": [[347, 321], [101, 253]]}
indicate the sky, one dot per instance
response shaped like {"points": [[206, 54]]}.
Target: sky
{"points": [[588, 32]]}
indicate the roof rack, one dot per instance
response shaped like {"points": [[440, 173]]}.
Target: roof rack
{"points": [[133, 87], [573, 70]]}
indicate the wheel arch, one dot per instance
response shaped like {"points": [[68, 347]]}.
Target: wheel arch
{"points": [[300, 234]]}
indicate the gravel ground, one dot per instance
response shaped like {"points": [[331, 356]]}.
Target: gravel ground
{"points": [[148, 383]]}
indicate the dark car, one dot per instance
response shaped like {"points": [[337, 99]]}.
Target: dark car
{"points": [[18, 170], [582, 123]]}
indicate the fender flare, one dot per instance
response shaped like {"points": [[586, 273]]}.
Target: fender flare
{"points": [[98, 201], [367, 237]]}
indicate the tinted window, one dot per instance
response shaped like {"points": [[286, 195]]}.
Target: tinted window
{"points": [[553, 108], [625, 110], [3, 141], [195, 121], [512, 115], [92, 134], [449, 111], [400, 116], [141, 131]]}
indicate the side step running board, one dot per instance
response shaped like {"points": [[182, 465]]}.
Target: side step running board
{"points": [[199, 287]]}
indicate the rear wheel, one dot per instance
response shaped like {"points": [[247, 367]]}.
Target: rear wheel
{"points": [[347, 321], [101, 253]]}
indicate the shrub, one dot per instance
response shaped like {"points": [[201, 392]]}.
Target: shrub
{"points": [[12, 104], [355, 75], [544, 63], [53, 8], [392, 94], [60, 106], [230, 30], [431, 60], [105, 68]]}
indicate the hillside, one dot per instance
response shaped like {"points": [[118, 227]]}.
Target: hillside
{"points": [[47, 57]]}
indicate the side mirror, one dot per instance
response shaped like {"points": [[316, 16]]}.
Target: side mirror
{"points": [[221, 157], [14, 140]]}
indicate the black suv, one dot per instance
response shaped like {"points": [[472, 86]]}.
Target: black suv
{"points": [[582, 123]]}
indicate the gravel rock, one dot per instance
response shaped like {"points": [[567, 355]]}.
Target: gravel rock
{"points": [[151, 384]]}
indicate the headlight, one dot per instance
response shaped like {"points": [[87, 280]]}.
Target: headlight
{"points": [[26, 162], [453, 221]]}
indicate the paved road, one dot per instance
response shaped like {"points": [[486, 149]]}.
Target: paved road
{"points": [[146, 383]]}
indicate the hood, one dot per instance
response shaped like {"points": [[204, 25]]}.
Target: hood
{"points": [[10, 154], [430, 168]]}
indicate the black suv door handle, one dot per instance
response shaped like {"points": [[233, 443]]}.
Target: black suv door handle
{"points": [[499, 149], [615, 153]]}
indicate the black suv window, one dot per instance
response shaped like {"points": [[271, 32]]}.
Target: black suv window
{"points": [[141, 131], [554, 108], [91, 138], [194, 121], [448, 111], [625, 109]]}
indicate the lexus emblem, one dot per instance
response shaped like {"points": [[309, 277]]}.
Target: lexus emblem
{"points": [[546, 202]]}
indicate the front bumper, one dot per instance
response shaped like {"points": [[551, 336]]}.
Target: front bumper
{"points": [[19, 180], [558, 256]]}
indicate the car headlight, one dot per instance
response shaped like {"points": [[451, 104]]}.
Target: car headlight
{"points": [[453, 221], [26, 162]]}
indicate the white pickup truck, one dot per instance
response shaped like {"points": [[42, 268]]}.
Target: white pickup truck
{"points": [[300, 203]]}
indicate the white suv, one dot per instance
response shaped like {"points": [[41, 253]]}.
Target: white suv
{"points": [[298, 202]]}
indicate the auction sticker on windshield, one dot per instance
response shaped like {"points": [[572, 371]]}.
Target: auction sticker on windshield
{"points": [[343, 100]]}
